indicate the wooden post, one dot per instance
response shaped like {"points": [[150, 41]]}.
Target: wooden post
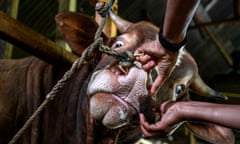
{"points": [[113, 26], [63, 6], [73, 5], [13, 13], [73, 8]]}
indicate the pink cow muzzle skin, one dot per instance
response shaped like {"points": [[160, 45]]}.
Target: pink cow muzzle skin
{"points": [[117, 96]]}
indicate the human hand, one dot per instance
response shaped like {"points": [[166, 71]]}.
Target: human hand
{"points": [[156, 55], [171, 118]]}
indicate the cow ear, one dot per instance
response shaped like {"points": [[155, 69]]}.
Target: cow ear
{"points": [[78, 30], [211, 132]]}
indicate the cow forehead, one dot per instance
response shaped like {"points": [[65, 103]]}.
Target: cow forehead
{"points": [[145, 30], [129, 41]]}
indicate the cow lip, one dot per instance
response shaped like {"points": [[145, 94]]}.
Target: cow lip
{"points": [[134, 118], [123, 99]]}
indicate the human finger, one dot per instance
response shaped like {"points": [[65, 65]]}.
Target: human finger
{"points": [[146, 133], [149, 65], [156, 84], [165, 105], [142, 123], [152, 130], [144, 58], [150, 127]]}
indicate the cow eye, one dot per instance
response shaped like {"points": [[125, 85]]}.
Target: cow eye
{"points": [[179, 89], [118, 44]]}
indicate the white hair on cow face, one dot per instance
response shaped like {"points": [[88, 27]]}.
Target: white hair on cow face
{"points": [[180, 56]]}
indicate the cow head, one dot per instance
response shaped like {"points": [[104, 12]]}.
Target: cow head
{"points": [[118, 94]]}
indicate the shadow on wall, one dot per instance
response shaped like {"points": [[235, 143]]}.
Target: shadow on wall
{"points": [[2, 49]]}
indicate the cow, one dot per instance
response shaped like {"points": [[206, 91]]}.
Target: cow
{"points": [[100, 103], [115, 102]]}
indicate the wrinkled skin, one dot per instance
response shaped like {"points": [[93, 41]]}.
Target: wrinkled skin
{"points": [[123, 93]]}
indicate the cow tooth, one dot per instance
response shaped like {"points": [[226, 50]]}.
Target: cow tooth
{"points": [[126, 69], [122, 69]]}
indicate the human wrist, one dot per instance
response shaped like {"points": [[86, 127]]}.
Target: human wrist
{"points": [[192, 110], [183, 110], [171, 45]]}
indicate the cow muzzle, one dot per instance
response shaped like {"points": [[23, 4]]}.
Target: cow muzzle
{"points": [[116, 95]]}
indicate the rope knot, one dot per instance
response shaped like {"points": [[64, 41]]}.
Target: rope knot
{"points": [[102, 8]]}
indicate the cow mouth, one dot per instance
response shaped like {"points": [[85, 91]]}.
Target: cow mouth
{"points": [[132, 108], [119, 70], [136, 109]]}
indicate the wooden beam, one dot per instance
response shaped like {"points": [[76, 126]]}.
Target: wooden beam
{"points": [[221, 49], [32, 42], [216, 23]]}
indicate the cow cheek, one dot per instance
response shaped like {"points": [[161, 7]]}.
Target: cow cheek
{"points": [[102, 81], [99, 105]]}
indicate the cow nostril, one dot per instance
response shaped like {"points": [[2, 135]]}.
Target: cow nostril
{"points": [[179, 89]]}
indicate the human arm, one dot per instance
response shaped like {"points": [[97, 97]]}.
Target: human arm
{"points": [[177, 19], [174, 112]]}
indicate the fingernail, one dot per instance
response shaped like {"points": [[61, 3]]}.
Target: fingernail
{"points": [[138, 54]]}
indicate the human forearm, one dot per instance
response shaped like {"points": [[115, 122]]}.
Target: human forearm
{"points": [[177, 18], [227, 115]]}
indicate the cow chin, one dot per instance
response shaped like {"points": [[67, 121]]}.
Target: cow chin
{"points": [[111, 110], [116, 97]]}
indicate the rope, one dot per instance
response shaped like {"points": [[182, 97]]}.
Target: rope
{"points": [[125, 58], [60, 84]]}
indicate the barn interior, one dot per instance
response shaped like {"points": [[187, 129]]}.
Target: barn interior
{"points": [[213, 37]]}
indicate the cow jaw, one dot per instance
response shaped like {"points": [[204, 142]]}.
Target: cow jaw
{"points": [[116, 95]]}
